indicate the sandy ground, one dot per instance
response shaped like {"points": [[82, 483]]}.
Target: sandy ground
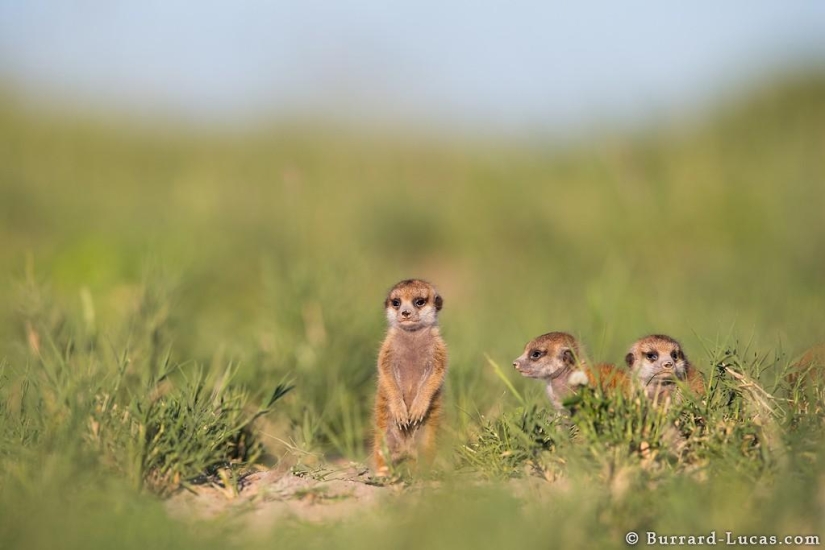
{"points": [[274, 494], [317, 496]]}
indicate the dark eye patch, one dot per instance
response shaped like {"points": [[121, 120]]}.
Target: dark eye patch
{"points": [[674, 354], [652, 355], [420, 302], [396, 303], [536, 353]]}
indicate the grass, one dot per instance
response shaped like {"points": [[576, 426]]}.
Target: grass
{"points": [[181, 309], [122, 409]]}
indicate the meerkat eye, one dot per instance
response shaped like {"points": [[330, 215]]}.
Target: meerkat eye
{"points": [[420, 302], [674, 355], [535, 354], [396, 303], [652, 355]]}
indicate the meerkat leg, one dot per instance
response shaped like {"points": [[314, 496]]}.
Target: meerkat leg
{"points": [[379, 464], [427, 440], [380, 450]]}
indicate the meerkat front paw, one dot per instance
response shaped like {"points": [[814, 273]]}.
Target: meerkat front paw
{"points": [[400, 415], [418, 410]]}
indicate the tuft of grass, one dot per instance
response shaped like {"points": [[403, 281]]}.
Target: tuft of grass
{"points": [[157, 425], [513, 443]]}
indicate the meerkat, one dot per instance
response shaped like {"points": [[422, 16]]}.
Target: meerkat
{"points": [[556, 358], [808, 370], [657, 364], [412, 365]]}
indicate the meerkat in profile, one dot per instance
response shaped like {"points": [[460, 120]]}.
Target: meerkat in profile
{"points": [[658, 364], [557, 359], [809, 371], [808, 366], [412, 365]]}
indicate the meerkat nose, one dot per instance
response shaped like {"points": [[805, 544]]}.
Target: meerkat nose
{"points": [[668, 364], [405, 313], [515, 364]]}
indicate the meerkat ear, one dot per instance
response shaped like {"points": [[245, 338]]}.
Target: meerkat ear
{"points": [[439, 302], [629, 359], [568, 358]]}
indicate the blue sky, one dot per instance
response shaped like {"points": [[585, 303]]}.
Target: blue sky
{"points": [[494, 64]]}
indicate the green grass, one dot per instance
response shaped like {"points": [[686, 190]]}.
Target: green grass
{"points": [[163, 290], [122, 411]]}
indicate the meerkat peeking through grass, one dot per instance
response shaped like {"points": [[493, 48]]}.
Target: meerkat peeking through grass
{"points": [[412, 365], [658, 365], [808, 370], [556, 358]]}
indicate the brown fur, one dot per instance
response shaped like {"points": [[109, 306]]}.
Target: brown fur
{"points": [[810, 368], [412, 365], [608, 378], [554, 356], [657, 363]]}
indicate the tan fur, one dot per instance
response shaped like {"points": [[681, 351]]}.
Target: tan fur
{"points": [[555, 356], [412, 365], [657, 363], [809, 369]]}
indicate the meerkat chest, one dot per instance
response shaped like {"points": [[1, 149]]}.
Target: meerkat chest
{"points": [[412, 362]]}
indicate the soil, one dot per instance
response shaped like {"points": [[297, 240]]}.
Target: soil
{"points": [[313, 496], [264, 497]]}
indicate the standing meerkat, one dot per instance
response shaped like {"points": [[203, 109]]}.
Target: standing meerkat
{"points": [[657, 362], [556, 358], [412, 364]]}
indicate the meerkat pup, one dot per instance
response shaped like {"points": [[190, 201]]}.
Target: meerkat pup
{"points": [[656, 363], [808, 369], [412, 365], [557, 359]]}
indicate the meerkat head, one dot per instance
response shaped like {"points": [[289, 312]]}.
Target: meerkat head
{"points": [[657, 359], [548, 356], [413, 304]]}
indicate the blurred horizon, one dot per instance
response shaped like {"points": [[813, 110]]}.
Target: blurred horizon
{"points": [[726, 184], [530, 69]]}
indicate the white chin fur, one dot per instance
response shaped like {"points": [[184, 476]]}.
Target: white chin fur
{"points": [[648, 373], [426, 317]]}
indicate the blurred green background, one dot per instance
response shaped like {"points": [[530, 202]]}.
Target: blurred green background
{"points": [[276, 247]]}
